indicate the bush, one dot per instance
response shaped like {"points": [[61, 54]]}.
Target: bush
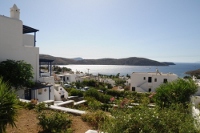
{"points": [[29, 106], [97, 95], [95, 118], [106, 107], [104, 98], [18, 73], [178, 91], [92, 93], [115, 93], [175, 119], [94, 105], [22, 104], [8, 106], [91, 83], [40, 107], [54, 122], [75, 92]]}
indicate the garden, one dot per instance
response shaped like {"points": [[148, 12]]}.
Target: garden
{"points": [[168, 110]]}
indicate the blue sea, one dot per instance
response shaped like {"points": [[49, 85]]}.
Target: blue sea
{"points": [[179, 69]]}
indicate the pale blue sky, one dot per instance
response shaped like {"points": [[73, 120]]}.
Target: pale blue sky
{"points": [[162, 30]]}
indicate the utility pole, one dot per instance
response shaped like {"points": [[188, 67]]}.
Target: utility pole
{"points": [[88, 70]]}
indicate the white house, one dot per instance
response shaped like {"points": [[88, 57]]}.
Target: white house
{"points": [[197, 81], [149, 81], [70, 77], [128, 82], [18, 42], [107, 80]]}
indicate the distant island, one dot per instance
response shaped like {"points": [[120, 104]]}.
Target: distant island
{"points": [[105, 61], [193, 72]]}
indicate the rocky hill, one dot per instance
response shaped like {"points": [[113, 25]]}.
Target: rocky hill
{"points": [[194, 72], [105, 61]]}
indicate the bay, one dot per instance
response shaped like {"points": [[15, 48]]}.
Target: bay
{"points": [[179, 69]]}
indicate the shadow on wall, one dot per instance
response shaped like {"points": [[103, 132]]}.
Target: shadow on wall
{"points": [[57, 96]]}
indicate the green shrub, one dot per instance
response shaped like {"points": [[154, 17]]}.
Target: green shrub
{"points": [[8, 106], [54, 122], [95, 118], [115, 93], [29, 106], [175, 119], [41, 106], [92, 93], [91, 83], [106, 107], [178, 91], [97, 95], [75, 92], [104, 98], [22, 104], [94, 105]]}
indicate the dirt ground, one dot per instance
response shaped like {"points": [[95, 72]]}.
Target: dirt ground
{"points": [[27, 123]]}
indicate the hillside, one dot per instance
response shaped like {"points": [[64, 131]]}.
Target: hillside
{"points": [[194, 72], [104, 61]]}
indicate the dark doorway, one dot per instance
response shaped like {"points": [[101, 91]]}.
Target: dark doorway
{"points": [[149, 89], [149, 79], [27, 94], [164, 80], [133, 88]]}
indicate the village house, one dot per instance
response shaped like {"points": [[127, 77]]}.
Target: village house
{"points": [[149, 81], [18, 42]]}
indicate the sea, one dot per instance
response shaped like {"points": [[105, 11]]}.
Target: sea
{"points": [[179, 69]]}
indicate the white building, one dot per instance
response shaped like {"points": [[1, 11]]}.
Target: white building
{"points": [[18, 42], [197, 81], [107, 80], [70, 77], [149, 81]]}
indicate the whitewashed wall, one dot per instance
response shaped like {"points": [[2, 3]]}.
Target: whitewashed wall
{"points": [[20, 93], [141, 85], [28, 40], [12, 46], [44, 95], [10, 32], [70, 77], [47, 80]]}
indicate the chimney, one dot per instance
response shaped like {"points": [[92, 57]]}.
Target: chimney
{"points": [[14, 12]]}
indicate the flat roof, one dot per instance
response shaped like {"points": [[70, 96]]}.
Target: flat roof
{"points": [[27, 29], [45, 60], [155, 73]]}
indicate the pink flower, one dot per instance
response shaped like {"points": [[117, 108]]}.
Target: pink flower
{"points": [[150, 96], [112, 99]]}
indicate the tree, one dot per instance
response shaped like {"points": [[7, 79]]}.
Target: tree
{"points": [[17, 73], [178, 91], [142, 119], [117, 75], [8, 106]]}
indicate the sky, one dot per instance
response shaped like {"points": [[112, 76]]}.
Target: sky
{"points": [[162, 30]]}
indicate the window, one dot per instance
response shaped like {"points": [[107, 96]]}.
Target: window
{"points": [[39, 91], [64, 78], [67, 78], [133, 88], [149, 89], [149, 79], [144, 78], [164, 80], [155, 80]]}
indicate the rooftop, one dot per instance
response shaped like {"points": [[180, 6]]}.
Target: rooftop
{"points": [[27, 29], [155, 73]]}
